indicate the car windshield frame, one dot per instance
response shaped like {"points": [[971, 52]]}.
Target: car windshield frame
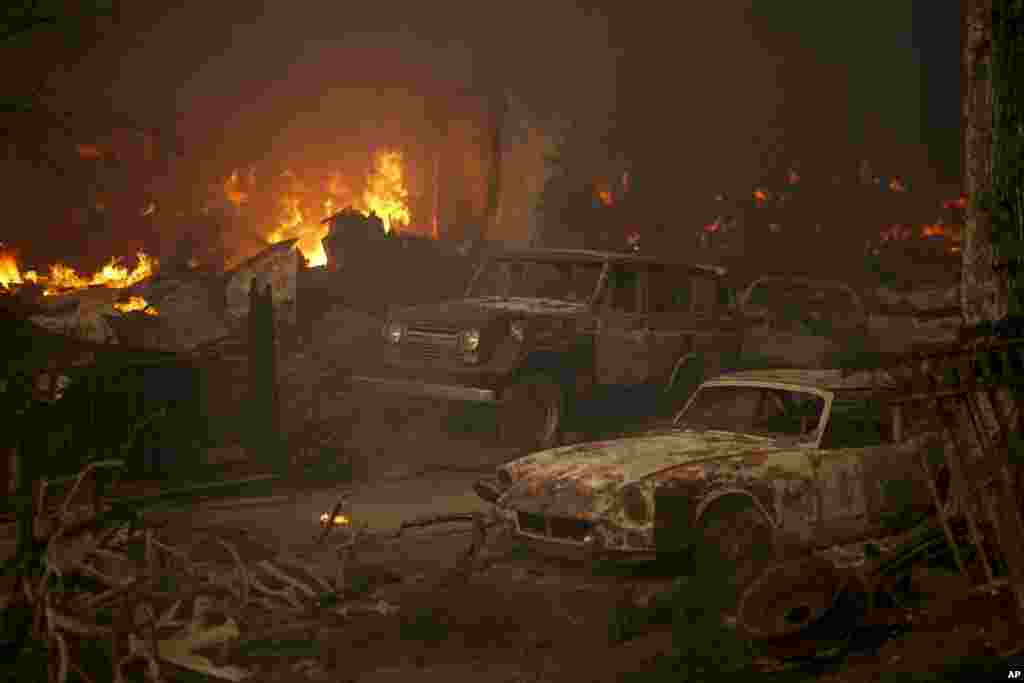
{"points": [[812, 440], [589, 299], [818, 291]]}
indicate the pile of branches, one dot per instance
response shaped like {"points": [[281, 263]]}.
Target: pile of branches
{"points": [[101, 592], [103, 595]]}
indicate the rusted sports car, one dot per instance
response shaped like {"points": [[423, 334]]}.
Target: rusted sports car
{"points": [[779, 461]]}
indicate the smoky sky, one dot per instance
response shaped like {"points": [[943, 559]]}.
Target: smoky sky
{"points": [[696, 93], [892, 66]]}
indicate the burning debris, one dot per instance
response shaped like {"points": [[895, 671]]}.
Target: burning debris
{"points": [[301, 207], [135, 303], [63, 279], [339, 520]]}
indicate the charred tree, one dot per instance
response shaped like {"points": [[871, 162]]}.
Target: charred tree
{"points": [[1005, 201], [981, 295], [993, 167]]}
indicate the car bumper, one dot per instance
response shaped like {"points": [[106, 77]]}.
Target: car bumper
{"points": [[413, 387], [594, 547]]}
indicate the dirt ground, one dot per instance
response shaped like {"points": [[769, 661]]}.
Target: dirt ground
{"points": [[525, 617]]}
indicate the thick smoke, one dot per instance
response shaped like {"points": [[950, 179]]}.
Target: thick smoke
{"points": [[701, 98]]}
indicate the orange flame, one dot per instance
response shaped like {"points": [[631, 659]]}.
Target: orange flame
{"points": [[135, 303], [89, 151], [233, 191], [386, 194], [9, 273], [339, 519], [62, 277], [760, 195], [113, 275], [301, 214]]}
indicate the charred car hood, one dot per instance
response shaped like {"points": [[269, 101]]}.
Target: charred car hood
{"points": [[473, 311], [583, 480]]}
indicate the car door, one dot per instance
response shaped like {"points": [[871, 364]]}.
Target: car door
{"points": [[670, 316], [717, 331], [622, 346], [861, 474]]}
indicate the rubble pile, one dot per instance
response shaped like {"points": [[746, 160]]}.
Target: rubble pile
{"points": [[105, 589]]}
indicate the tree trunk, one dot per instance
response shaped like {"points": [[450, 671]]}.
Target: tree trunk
{"points": [[983, 296]]}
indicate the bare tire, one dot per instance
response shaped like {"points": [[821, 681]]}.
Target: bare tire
{"points": [[531, 413], [736, 539], [789, 598]]}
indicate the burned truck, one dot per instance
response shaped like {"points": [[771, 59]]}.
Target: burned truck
{"points": [[540, 330]]}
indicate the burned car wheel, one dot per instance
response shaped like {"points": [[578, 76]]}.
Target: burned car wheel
{"points": [[734, 533], [789, 598], [531, 413]]}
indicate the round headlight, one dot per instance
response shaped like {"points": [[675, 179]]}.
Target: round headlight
{"points": [[470, 340], [635, 506], [393, 332], [517, 329]]}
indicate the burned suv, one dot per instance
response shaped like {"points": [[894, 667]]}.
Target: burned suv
{"points": [[539, 329]]}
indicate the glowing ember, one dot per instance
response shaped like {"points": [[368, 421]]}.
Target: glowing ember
{"points": [[760, 195], [233, 191], [9, 273], [339, 520], [386, 194], [135, 303], [89, 151]]}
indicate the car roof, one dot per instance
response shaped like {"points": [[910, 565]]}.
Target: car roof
{"points": [[802, 281], [595, 256], [826, 380]]}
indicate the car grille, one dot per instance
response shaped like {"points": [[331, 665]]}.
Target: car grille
{"points": [[426, 343], [561, 528]]}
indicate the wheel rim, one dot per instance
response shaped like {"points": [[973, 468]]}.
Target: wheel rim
{"points": [[788, 599]]}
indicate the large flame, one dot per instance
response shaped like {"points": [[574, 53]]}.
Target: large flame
{"points": [[293, 223], [63, 278], [113, 274], [386, 194], [301, 210]]}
